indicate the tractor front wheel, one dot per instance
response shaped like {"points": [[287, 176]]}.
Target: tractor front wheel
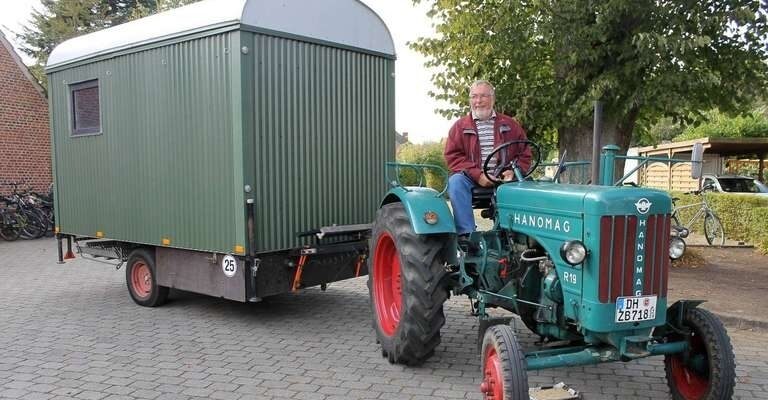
{"points": [[503, 365], [707, 371], [405, 287]]}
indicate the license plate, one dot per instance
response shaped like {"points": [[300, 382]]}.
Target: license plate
{"points": [[634, 309]]}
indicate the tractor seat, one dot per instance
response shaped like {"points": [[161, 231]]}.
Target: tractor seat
{"points": [[481, 197]]}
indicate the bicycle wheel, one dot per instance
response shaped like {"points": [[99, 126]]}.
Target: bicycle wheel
{"points": [[8, 229], [675, 220], [34, 227], [713, 230]]}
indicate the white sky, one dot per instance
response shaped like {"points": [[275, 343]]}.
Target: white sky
{"points": [[414, 108]]}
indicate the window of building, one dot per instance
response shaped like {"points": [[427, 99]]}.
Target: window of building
{"points": [[86, 113]]}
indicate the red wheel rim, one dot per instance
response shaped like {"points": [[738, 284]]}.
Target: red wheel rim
{"points": [[492, 385], [141, 279], [689, 382], [387, 290]]}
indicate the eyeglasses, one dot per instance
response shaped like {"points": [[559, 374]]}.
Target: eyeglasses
{"points": [[479, 96]]}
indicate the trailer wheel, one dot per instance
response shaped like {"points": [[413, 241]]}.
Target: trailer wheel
{"points": [[707, 370], [142, 281], [405, 287], [503, 365]]}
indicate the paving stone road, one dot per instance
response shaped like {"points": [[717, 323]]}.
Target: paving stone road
{"points": [[72, 332]]}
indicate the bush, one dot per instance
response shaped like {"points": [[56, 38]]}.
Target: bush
{"points": [[428, 153], [744, 217]]}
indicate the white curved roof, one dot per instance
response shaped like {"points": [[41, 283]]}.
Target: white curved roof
{"points": [[343, 22]]}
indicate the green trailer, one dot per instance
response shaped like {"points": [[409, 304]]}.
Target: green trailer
{"points": [[212, 148]]}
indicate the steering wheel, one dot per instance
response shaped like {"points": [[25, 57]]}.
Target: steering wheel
{"points": [[512, 164]]}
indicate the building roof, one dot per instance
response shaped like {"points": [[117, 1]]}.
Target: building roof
{"points": [[348, 23], [22, 67], [722, 146]]}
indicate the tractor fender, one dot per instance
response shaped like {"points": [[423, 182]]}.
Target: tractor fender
{"points": [[418, 201], [676, 312]]}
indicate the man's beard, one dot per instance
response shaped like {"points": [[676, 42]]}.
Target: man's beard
{"points": [[483, 114]]}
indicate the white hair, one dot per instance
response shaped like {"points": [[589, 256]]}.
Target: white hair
{"points": [[483, 82]]}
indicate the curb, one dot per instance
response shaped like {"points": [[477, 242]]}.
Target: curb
{"points": [[741, 323]]}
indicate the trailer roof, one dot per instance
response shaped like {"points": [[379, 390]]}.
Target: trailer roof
{"points": [[343, 22]]}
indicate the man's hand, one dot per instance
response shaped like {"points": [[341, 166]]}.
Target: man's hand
{"points": [[484, 181], [508, 176]]}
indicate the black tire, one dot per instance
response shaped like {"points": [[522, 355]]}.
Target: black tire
{"points": [[44, 223], [141, 279], [502, 365], [708, 371], [9, 232], [713, 230], [405, 288], [32, 227]]}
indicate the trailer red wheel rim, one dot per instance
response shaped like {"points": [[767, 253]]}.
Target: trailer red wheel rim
{"points": [[141, 279], [689, 382], [387, 284], [492, 385]]}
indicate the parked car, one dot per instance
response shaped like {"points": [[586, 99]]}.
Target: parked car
{"points": [[736, 184]]}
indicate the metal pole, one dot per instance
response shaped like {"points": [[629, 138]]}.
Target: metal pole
{"points": [[61, 252], [597, 133]]}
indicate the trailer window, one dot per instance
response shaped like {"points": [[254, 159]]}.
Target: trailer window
{"points": [[86, 113]]}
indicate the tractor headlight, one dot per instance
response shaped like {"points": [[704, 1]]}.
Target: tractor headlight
{"points": [[676, 248], [573, 252]]}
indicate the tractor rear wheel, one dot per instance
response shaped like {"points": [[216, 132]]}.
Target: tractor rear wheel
{"points": [[141, 278], [405, 287], [503, 365], [708, 370]]}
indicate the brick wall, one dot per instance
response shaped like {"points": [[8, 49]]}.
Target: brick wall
{"points": [[25, 142]]}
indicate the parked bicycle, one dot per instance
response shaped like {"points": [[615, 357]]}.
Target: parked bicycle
{"points": [[28, 217], [713, 228], [10, 229]]}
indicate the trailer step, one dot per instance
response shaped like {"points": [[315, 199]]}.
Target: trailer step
{"points": [[109, 249], [337, 230]]}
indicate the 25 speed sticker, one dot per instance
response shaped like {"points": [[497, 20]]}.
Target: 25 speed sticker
{"points": [[229, 266]]}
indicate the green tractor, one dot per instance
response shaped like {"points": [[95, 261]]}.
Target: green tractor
{"points": [[585, 267]]}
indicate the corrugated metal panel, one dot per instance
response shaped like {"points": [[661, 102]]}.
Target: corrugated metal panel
{"points": [[163, 167], [323, 120]]}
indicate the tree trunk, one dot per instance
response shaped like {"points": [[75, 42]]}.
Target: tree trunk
{"points": [[577, 141]]}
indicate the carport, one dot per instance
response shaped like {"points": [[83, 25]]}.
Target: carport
{"points": [[717, 152]]}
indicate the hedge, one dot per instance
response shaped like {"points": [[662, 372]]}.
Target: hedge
{"points": [[744, 217]]}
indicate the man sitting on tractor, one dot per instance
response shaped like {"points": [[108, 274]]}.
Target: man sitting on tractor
{"points": [[471, 139]]}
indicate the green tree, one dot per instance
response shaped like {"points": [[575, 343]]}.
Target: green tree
{"points": [[59, 20], [550, 59], [428, 153], [753, 124], [663, 130]]}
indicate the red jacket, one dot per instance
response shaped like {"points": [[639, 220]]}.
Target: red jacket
{"points": [[462, 149]]}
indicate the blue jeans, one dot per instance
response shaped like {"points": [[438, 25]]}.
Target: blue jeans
{"points": [[460, 193]]}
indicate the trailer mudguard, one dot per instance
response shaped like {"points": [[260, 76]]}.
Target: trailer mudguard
{"points": [[418, 202]]}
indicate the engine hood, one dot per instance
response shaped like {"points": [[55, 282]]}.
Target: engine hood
{"points": [[525, 202]]}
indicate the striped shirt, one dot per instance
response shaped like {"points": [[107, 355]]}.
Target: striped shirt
{"points": [[485, 135]]}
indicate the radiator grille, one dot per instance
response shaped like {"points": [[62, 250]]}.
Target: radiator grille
{"points": [[622, 249]]}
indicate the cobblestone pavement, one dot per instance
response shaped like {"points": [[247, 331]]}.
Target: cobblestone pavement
{"points": [[71, 331]]}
